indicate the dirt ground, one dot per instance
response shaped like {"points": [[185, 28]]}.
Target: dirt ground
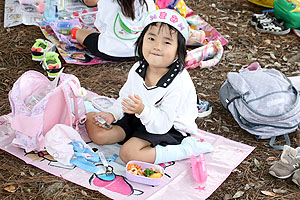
{"points": [[232, 19]]}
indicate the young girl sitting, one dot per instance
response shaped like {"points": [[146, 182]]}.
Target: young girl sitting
{"points": [[155, 113], [119, 23]]}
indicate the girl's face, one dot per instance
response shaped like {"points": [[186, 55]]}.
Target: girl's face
{"points": [[160, 46]]}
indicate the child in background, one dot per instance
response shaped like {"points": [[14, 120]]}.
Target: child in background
{"points": [[119, 23], [155, 113]]}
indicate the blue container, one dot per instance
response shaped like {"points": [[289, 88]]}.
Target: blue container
{"points": [[64, 27]]}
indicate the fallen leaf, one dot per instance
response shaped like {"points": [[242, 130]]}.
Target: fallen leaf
{"points": [[247, 187], [280, 191], [267, 41], [83, 193], [227, 197], [31, 173], [238, 194], [236, 170], [271, 158], [226, 129], [272, 194], [249, 56], [284, 58], [246, 163], [10, 188], [232, 24], [257, 163], [272, 55]]}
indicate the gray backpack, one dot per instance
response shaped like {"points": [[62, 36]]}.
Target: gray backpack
{"points": [[263, 102]]}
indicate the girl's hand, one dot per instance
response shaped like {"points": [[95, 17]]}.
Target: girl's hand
{"points": [[133, 105], [108, 117]]}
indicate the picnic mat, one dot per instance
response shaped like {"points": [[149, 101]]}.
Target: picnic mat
{"points": [[177, 184]]}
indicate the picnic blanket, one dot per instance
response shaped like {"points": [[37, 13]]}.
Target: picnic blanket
{"points": [[177, 184]]}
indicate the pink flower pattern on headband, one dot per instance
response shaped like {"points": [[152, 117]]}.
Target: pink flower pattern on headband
{"points": [[170, 17], [174, 19], [152, 17], [181, 26], [163, 15]]}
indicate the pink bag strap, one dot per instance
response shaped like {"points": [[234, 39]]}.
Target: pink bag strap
{"points": [[77, 91], [75, 108]]}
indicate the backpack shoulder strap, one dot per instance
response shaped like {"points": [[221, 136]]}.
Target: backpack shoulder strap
{"points": [[287, 140]]}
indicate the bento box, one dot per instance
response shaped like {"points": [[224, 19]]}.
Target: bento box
{"points": [[136, 171]]}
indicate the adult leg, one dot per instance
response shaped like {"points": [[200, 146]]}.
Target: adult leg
{"points": [[137, 149], [101, 135]]}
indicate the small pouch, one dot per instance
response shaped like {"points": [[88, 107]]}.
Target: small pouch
{"points": [[205, 56]]}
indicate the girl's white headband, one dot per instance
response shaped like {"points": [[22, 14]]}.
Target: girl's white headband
{"points": [[170, 17]]}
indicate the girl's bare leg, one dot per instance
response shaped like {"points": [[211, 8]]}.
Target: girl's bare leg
{"points": [[81, 34], [137, 149], [101, 135]]}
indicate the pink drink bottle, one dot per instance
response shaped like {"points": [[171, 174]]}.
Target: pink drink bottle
{"points": [[199, 168]]}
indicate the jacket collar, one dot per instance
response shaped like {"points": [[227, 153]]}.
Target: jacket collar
{"points": [[166, 79]]}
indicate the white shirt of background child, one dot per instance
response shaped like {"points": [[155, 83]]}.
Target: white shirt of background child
{"points": [[108, 43]]}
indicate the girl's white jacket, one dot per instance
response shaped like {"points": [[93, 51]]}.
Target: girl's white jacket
{"points": [[172, 102]]}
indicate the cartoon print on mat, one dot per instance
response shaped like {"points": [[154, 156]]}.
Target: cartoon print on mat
{"points": [[7, 134], [45, 156], [119, 182], [119, 185], [115, 182], [165, 165]]}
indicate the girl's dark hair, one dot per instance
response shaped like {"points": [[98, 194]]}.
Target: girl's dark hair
{"points": [[181, 49], [127, 7]]}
